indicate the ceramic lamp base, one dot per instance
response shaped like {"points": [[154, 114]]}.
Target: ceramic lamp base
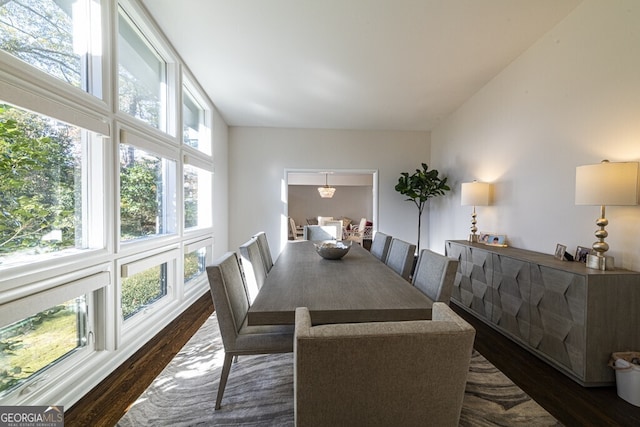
{"points": [[600, 262]]}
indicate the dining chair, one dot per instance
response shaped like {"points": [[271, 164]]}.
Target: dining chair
{"points": [[400, 257], [294, 234], [357, 234], [263, 243], [319, 232], [231, 303], [380, 245], [252, 266], [381, 373], [434, 275]]}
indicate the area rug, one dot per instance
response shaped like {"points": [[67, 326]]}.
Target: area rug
{"points": [[259, 391]]}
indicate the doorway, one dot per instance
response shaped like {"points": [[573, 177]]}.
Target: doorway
{"points": [[356, 194]]}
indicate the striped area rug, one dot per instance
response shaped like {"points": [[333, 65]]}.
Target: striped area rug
{"points": [[260, 391]]}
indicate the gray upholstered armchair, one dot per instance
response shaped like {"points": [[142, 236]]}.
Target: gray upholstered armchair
{"points": [[381, 374]]}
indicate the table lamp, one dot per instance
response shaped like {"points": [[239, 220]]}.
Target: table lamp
{"points": [[606, 183], [474, 194]]}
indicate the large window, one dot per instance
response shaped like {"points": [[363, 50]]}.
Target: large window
{"points": [[147, 194], [44, 176], [55, 37], [105, 192], [40, 341], [142, 82], [197, 197], [195, 132]]}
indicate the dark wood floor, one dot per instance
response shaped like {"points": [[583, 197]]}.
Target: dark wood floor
{"points": [[570, 403], [110, 399]]}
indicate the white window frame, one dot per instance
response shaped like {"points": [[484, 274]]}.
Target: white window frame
{"points": [[168, 120], [32, 89], [26, 301], [206, 130], [139, 323], [196, 284], [93, 199], [205, 192], [167, 152]]}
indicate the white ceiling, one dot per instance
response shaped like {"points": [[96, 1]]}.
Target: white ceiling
{"points": [[349, 64]]}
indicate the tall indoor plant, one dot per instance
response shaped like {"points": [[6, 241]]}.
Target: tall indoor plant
{"points": [[419, 187]]}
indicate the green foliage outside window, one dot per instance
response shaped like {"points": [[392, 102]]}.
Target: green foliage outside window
{"points": [[40, 32], [138, 199], [38, 171], [142, 289], [193, 264], [35, 343]]}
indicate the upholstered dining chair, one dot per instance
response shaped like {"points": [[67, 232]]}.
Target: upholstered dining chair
{"points": [[400, 257], [231, 305], [382, 373], [380, 245], [252, 266], [263, 243], [434, 275], [319, 232]]}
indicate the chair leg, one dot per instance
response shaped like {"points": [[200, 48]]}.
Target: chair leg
{"points": [[226, 367]]}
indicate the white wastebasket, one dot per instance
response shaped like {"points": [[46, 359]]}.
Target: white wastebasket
{"points": [[627, 367]]}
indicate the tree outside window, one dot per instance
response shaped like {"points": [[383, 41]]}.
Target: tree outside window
{"points": [[40, 183]]}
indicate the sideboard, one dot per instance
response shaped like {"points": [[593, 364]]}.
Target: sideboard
{"points": [[561, 311]]}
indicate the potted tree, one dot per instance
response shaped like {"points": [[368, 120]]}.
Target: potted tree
{"points": [[419, 187]]}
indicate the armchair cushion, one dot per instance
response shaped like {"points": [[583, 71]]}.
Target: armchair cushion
{"points": [[384, 373]]}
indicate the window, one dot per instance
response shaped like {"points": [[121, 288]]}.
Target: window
{"points": [[105, 209], [38, 342], [146, 281], [56, 37], [147, 194], [196, 257], [194, 264], [44, 185], [142, 75], [195, 132], [143, 289], [197, 197]]}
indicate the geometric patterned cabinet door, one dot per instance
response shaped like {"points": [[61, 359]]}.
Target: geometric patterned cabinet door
{"points": [[571, 316]]}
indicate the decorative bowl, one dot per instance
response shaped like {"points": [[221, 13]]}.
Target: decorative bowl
{"points": [[332, 249]]}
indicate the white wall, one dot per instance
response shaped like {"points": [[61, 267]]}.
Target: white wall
{"points": [[572, 99], [220, 185], [258, 158]]}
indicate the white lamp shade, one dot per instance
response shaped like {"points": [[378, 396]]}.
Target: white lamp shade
{"points": [[612, 184], [475, 193]]}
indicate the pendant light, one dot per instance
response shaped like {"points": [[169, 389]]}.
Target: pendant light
{"points": [[326, 192]]}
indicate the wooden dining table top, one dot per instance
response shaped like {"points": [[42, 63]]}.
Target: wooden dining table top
{"points": [[356, 288]]}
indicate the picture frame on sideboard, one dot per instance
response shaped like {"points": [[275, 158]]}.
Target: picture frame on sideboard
{"points": [[581, 253], [559, 253]]}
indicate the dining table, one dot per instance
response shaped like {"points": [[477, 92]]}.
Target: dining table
{"points": [[356, 288]]}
